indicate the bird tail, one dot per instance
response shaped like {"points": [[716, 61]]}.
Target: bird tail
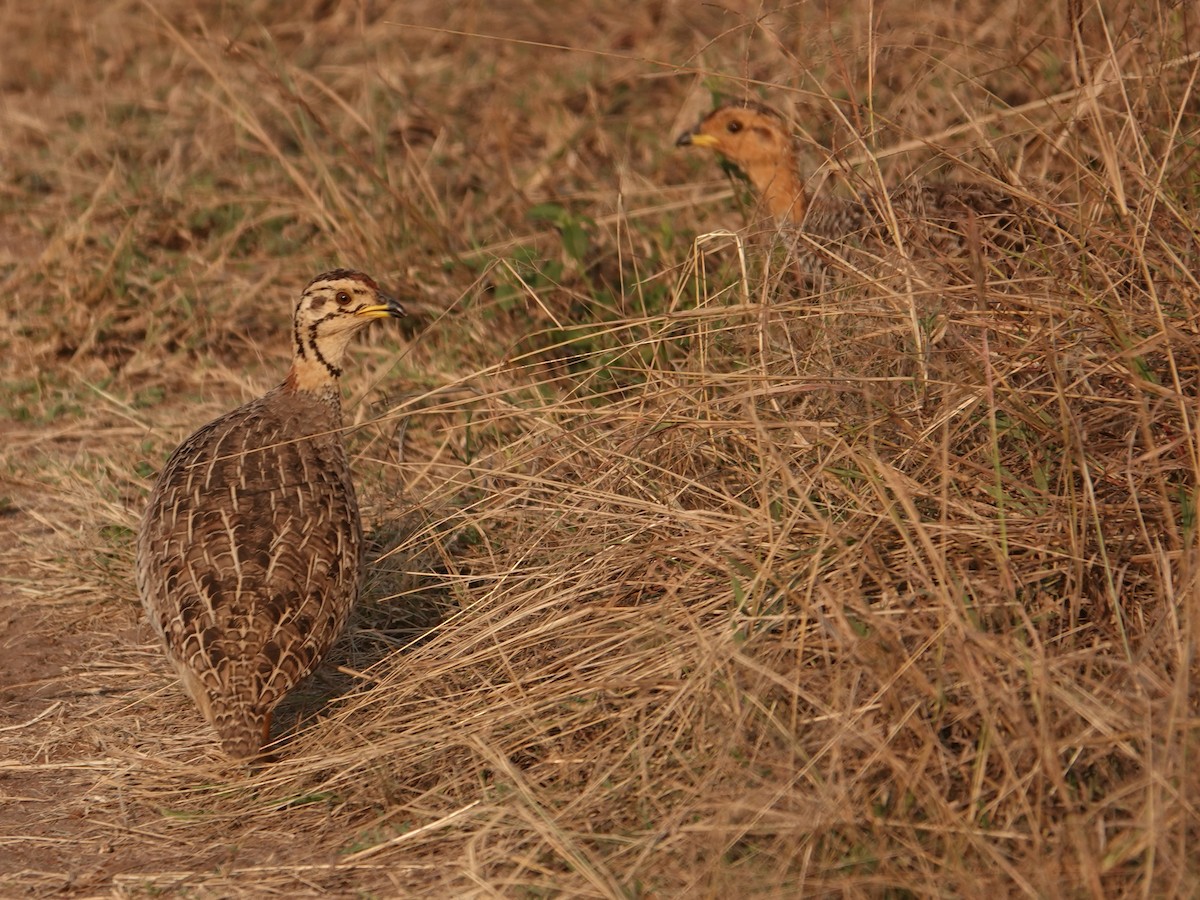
{"points": [[243, 732]]}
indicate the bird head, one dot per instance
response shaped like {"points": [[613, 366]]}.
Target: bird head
{"points": [[749, 136], [333, 307]]}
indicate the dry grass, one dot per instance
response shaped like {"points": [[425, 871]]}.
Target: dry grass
{"points": [[687, 585]]}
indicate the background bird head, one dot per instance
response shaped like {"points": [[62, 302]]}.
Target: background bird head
{"points": [[750, 136]]}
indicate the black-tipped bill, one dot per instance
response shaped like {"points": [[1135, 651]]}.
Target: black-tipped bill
{"points": [[388, 307], [695, 139]]}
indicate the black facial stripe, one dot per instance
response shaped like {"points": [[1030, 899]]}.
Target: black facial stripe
{"points": [[312, 337], [296, 337]]}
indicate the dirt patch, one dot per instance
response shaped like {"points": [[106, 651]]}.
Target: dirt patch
{"points": [[45, 839]]}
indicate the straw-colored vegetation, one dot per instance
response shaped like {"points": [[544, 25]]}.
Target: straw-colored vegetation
{"points": [[684, 582]]}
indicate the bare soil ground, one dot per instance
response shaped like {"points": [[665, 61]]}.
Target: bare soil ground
{"points": [[686, 580]]}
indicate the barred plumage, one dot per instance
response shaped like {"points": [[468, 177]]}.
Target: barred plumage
{"points": [[249, 555]]}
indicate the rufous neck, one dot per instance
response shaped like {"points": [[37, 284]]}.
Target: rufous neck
{"points": [[781, 190]]}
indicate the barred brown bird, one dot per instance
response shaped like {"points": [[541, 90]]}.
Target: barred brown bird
{"points": [[942, 218], [249, 556]]}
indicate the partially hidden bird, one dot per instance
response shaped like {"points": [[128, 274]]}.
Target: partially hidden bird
{"points": [[940, 219], [250, 551]]}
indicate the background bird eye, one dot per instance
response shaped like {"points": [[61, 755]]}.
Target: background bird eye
{"points": [[734, 127], [343, 298]]}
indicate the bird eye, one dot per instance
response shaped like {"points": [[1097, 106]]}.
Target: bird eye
{"points": [[342, 298], [734, 127]]}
